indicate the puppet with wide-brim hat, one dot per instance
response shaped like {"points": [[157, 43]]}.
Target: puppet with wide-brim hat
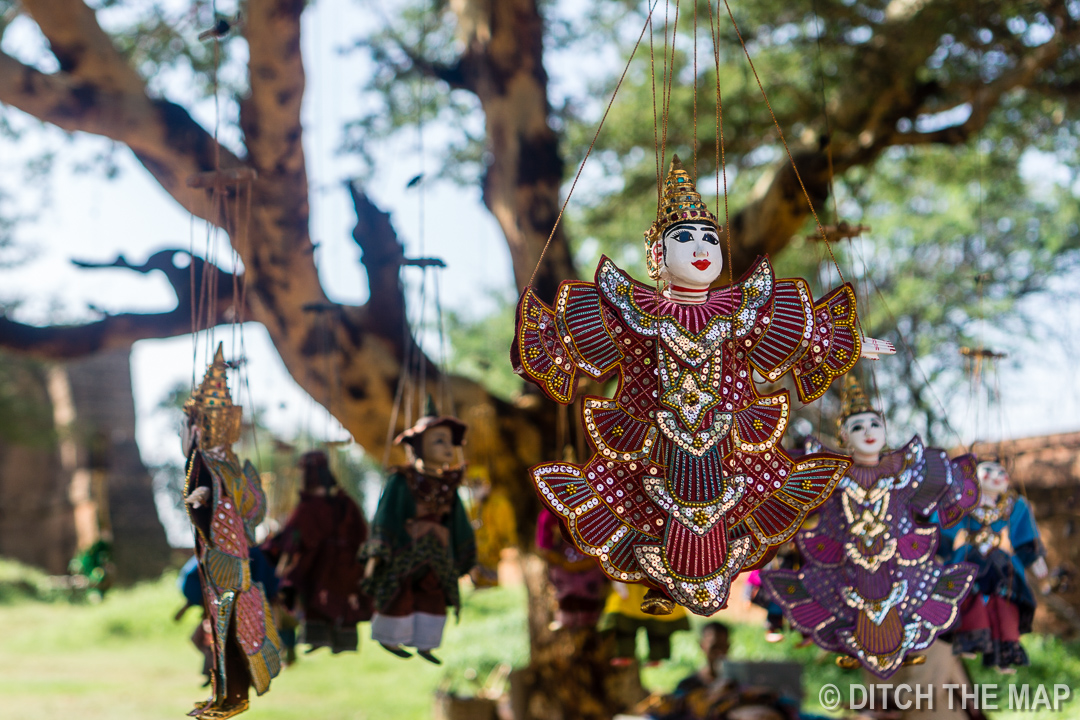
{"points": [[421, 541], [413, 437]]}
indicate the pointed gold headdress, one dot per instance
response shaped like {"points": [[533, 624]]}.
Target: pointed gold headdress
{"points": [[680, 202], [211, 406], [853, 401]]}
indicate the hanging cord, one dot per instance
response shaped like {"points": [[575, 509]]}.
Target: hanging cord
{"points": [[670, 77], [721, 163], [646, 26], [819, 30], [655, 115], [1001, 438], [193, 300], [399, 394], [721, 155], [915, 361], [695, 143], [783, 140], [421, 357], [447, 399]]}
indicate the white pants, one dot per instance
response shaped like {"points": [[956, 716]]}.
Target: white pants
{"points": [[422, 631]]}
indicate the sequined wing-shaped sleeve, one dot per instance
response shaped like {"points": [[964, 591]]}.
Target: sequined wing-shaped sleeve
{"points": [[963, 493], [816, 341], [551, 346]]}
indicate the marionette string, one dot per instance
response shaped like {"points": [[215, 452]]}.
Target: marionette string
{"points": [[596, 135], [721, 154], [787, 150], [819, 30], [914, 358]]}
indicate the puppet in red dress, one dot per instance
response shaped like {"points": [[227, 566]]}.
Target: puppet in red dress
{"points": [[320, 543], [688, 484]]}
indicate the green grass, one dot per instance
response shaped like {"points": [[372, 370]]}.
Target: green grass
{"points": [[125, 659]]}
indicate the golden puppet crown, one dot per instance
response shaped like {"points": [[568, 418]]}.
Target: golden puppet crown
{"points": [[680, 202], [211, 406], [853, 401]]}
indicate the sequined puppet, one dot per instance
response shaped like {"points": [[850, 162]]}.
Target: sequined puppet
{"points": [[579, 583], [1002, 606], [421, 541], [492, 517], [319, 543], [225, 502], [870, 586], [787, 556], [687, 485]]}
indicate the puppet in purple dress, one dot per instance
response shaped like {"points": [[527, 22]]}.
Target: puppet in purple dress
{"points": [[870, 587], [579, 583]]}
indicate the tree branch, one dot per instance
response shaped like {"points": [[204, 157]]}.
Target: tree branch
{"points": [[270, 115], [383, 255], [163, 136], [452, 75], [82, 48], [121, 330], [984, 99], [503, 64]]}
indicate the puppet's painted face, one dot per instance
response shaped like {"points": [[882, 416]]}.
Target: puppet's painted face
{"points": [[864, 433], [993, 479], [437, 446], [692, 256]]}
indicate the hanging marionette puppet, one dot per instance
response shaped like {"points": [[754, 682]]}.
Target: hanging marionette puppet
{"points": [[225, 503], [687, 485], [870, 586], [319, 544], [421, 541], [492, 517], [1002, 606], [579, 584]]}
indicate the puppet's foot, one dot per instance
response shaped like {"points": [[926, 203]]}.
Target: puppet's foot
{"points": [[426, 654], [206, 711], [847, 662], [657, 603], [915, 660], [397, 650], [773, 637]]}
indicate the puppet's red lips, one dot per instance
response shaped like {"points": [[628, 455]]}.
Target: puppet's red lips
{"points": [[701, 264]]}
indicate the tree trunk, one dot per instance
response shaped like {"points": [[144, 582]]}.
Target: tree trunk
{"points": [[570, 673]]}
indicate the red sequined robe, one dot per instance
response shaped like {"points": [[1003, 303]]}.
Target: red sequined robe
{"points": [[688, 484]]}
